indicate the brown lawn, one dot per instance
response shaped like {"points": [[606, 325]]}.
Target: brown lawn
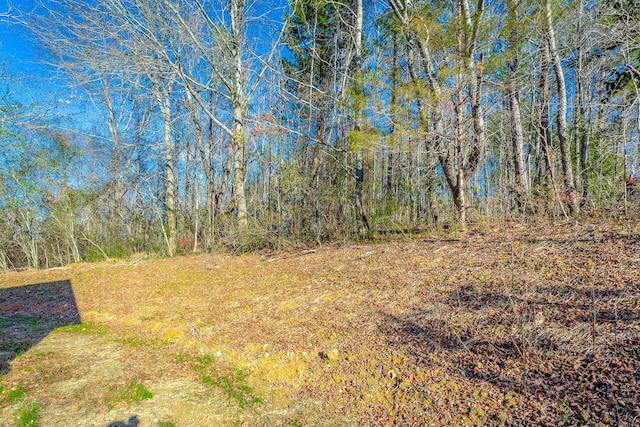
{"points": [[501, 325]]}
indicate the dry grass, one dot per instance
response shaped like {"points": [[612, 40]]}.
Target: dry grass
{"points": [[512, 325]]}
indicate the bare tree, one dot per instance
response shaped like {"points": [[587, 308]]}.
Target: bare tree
{"points": [[458, 159], [223, 45], [567, 168], [523, 187]]}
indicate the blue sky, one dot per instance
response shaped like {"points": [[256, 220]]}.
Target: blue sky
{"points": [[22, 61], [16, 49], [24, 73]]}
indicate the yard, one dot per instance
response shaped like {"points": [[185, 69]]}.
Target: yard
{"points": [[506, 324]]}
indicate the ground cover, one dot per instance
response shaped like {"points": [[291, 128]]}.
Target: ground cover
{"points": [[505, 324]]}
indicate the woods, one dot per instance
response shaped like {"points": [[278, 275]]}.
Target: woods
{"points": [[251, 125]]}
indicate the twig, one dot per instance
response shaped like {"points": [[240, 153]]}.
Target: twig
{"points": [[364, 255], [95, 244], [633, 69], [195, 331], [594, 314], [303, 253], [307, 252], [440, 248]]}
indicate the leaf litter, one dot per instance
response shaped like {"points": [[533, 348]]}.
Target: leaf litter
{"points": [[500, 325]]}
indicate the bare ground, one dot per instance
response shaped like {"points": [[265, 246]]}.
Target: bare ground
{"points": [[501, 325]]}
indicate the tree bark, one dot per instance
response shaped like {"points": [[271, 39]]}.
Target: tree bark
{"points": [[459, 166], [523, 187], [581, 131], [238, 100], [164, 101], [567, 169], [543, 106], [392, 116], [357, 71], [405, 11]]}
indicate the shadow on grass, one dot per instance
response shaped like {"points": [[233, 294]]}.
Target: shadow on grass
{"points": [[133, 422], [29, 313]]}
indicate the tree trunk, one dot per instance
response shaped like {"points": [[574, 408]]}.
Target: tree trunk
{"points": [[360, 211], [581, 131], [169, 177], [238, 101], [543, 105], [452, 162], [567, 169], [544, 132], [314, 191], [404, 10], [238, 143], [212, 192], [523, 187], [459, 198], [114, 134]]}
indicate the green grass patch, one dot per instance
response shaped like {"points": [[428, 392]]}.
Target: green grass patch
{"points": [[25, 320], [16, 348], [15, 394], [28, 415], [28, 320], [133, 341], [166, 424], [233, 382], [133, 392], [183, 358], [202, 363], [84, 329]]}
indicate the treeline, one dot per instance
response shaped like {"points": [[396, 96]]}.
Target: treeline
{"points": [[259, 124]]}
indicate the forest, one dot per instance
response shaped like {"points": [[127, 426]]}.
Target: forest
{"points": [[387, 213], [184, 126]]}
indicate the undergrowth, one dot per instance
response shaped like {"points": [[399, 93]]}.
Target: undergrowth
{"points": [[135, 341], [133, 392], [15, 394], [84, 329], [14, 348], [28, 415], [233, 382]]}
